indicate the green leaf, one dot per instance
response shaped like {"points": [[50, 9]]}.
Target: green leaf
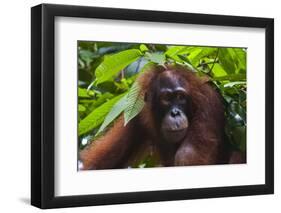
{"points": [[81, 108], [96, 117], [147, 162], [232, 59], [134, 103], [116, 110], [173, 51], [240, 55], [143, 48], [84, 93], [87, 56], [158, 58], [185, 59], [101, 99], [217, 70], [231, 84], [198, 53], [231, 77], [114, 63], [206, 51]]}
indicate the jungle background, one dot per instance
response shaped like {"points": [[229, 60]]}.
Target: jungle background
{"points": [[107, 89]]}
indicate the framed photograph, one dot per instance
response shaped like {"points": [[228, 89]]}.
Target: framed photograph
{"points": [[140, 106]]}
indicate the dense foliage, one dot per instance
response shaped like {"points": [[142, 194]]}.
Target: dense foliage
{"points": [[107, 88]]}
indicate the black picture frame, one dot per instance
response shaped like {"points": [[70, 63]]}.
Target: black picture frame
{"points": [[43, 102]]}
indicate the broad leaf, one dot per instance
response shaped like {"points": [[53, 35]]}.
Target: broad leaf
{"points": [[231, 77], [134, 103], [143, 48], [96, 117], [81, 108], [158, 58], [240, 55], [232, 60], [217, 70], [174, 51], [206, 51], [116, 110], [84, 93], [87, 56], [231, 84], [112, 64]]}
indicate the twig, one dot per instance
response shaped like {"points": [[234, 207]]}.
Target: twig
{"points": [[206, 63], [122, 73], [215, 60]]}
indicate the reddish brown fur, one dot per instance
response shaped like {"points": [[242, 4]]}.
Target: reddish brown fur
{"points": [[202, 145]]}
